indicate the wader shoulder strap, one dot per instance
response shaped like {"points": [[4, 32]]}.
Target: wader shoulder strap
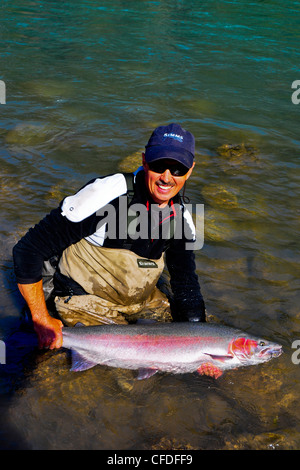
{"points": [[129, 177]]}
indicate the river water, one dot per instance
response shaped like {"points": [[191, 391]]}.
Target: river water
{"points": [[86, 83]]}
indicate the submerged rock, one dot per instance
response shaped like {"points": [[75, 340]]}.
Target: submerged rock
{"points": [[50, 89], [238, 156], [59, 191], [131, 162], [56, 193], [218, 195], [238, 152], [28, 134], [218, 226]]}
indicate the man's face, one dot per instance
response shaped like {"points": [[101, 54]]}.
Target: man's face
{"points": [[164, 186]]}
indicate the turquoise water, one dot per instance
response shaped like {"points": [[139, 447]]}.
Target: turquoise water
{"points": [[86, 83]]}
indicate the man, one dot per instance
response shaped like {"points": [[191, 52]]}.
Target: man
{"points": [[109, 255]]}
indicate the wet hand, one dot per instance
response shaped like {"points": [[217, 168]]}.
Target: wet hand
{"points": [[49, 333]]}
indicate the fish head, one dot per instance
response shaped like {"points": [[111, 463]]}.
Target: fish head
{"points": [[253, 350]]}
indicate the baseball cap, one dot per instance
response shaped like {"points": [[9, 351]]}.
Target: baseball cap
{"points": [[171, 142]]}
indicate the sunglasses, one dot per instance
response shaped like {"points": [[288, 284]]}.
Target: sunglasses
{"points": [[176, 168]]}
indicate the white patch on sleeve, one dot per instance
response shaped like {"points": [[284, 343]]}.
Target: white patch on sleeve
{"points": [[189, 219], [98, 237], [93, 196]]}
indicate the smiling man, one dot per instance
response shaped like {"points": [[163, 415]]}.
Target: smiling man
{"points": [[168, 162], [106, 276]]}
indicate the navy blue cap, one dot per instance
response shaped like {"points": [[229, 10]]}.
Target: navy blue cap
{"points": [[172, 142]]}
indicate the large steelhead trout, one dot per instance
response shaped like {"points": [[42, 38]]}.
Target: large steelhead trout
{"points": [[178, 348]]}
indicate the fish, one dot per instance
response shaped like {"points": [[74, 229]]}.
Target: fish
{"points": [[175, 347]]}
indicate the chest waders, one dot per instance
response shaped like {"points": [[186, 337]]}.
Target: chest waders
{"points": [[120, 286]]}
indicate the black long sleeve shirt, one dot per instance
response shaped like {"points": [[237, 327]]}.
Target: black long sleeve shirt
{"points": [[83, 216]]}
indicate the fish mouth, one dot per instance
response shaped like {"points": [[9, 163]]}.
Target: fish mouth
{"points": [[277, 352], [271, 351]]}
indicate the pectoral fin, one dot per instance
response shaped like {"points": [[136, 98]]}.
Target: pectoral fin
{"points": [[222, 359]]}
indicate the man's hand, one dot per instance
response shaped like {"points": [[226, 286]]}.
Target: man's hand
{"points": [[48, 329], [196, 314], [49, 332]]}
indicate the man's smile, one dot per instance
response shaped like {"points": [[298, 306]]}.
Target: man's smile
{"points": [[164, 186]]}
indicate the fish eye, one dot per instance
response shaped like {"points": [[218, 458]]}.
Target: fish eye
{"points": [[262, 343]]}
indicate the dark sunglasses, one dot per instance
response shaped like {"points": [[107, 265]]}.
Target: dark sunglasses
{"points": [[176, 168]]}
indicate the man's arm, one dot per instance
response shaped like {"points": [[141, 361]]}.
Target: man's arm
{"points": [[73, 220], [47, 328], [50, 237]]}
